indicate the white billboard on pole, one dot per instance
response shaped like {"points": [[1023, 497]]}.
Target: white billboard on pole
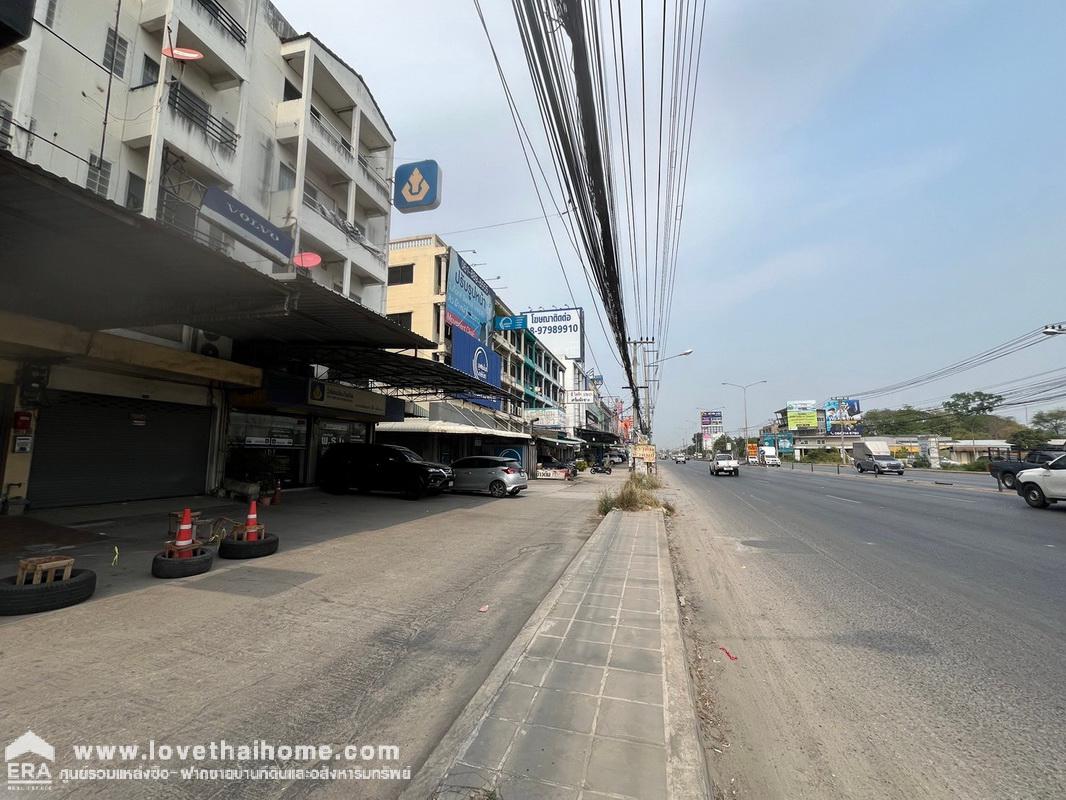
{"points": [[562, 330]]}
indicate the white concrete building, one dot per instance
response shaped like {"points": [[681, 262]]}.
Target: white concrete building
{"points": [[272, 118]]}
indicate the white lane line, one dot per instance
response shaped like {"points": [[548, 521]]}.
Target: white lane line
{"points": [[844, 499]]}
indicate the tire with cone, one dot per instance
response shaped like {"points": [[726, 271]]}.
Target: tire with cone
{"points": [[199, 562], [184, 556], [249, 540]]}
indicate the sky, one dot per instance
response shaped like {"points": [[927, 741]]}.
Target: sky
{"points": [[875, 190]]}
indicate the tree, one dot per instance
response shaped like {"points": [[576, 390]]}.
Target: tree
{"points": [[720, 443], [972, 404], [1053, 421], [1028, 438]]}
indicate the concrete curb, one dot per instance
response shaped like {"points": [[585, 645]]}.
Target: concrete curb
{"points": [[687, 773], [462, 731]]}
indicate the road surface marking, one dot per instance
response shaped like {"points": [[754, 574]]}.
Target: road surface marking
{"points": [[844, 499]]}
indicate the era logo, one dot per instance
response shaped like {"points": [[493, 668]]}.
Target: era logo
{"points": [[22, 769]]}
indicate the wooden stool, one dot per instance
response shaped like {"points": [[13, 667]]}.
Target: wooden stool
{"points": [[43, 566], [172, 549], [241, 530]]}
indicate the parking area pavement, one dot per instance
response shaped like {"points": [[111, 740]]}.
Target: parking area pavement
{"points": [[374, 624]]}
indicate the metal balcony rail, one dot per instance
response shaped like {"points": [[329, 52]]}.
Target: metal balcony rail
{"points": [[350, 230], [225, 20], [194, 109], [372, 173], [334, 136], [184, 217]]}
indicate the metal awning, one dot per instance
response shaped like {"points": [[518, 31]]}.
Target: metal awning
{"points": [[133, 271], [441, 426], [361, 364], [563, 442], [597, 437]]}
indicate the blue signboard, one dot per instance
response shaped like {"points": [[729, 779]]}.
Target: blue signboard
{"points": [[417, 186], [479, 360], [510, 323], [468, 306], [843, 416], [251, 228], [786, 444]]}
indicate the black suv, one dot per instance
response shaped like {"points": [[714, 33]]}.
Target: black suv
{"points": [[380, 467]]}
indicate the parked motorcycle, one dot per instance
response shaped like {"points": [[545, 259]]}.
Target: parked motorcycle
{"points": [[603, 469]]}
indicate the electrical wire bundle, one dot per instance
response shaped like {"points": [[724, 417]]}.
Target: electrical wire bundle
{"points": [[625, 236]]}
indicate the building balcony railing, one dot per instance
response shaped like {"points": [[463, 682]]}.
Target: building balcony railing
{"points": [[187, 105], [351, 231], [183, 216], [225, 20], [336, 139], [372, 173]]}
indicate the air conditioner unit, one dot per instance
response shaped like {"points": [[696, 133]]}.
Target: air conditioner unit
{"points": [[213, 345]]}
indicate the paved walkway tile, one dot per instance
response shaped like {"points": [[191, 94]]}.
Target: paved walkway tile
{"points": [[581, 714]]}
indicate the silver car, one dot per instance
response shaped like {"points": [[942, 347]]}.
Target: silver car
{"points": [[497, 475]]}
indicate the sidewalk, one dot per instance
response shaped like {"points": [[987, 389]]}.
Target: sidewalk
{"points": [[592, 701]]}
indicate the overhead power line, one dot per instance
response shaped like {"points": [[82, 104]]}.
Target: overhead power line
{"points": [[1017, 344]]}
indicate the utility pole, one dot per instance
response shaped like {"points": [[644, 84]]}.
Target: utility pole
{"points": [[839, 400], [634, 344]]}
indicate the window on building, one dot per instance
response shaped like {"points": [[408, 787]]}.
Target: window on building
{"points": [[403, 273], [149, 71], [50, 13], [115, 49], [291, 92], [135, 192], [286, 177], [437, 315], [403, 318], [99, 177]]}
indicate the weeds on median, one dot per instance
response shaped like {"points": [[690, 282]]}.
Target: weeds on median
{"points": [[635, 495]]}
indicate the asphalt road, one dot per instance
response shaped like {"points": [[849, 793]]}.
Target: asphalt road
{"points": [[934, 477], [892, 639]]}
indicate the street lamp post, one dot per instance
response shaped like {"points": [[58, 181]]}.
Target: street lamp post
{"points": [[648, 380], [744, 388]]}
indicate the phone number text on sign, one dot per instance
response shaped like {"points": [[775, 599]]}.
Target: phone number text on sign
{"points": [[540, 330]]}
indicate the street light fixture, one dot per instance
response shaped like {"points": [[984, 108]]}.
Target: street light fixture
{"points": [[744, 388], [677, 355]]}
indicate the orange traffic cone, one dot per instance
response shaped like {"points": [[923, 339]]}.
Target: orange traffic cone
{"points": [[251, 526], [184, 538]]}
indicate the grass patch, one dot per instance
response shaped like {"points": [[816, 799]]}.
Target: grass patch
{"points": [[645, 482], [635, 495]]}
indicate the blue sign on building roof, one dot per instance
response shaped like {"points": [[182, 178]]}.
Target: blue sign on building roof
{"points": [[417, 186], [511, 323]]}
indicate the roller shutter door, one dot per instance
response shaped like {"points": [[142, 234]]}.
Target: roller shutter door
{"points": [[97, 449]]}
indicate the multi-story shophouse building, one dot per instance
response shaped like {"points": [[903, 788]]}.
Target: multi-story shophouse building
{"points": [[218, 122]]}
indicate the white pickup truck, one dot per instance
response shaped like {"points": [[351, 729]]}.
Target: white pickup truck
{"points": [[724, 462]]}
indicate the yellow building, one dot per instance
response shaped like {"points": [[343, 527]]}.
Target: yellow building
{"points": [[418, 282], [447, 429]]}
